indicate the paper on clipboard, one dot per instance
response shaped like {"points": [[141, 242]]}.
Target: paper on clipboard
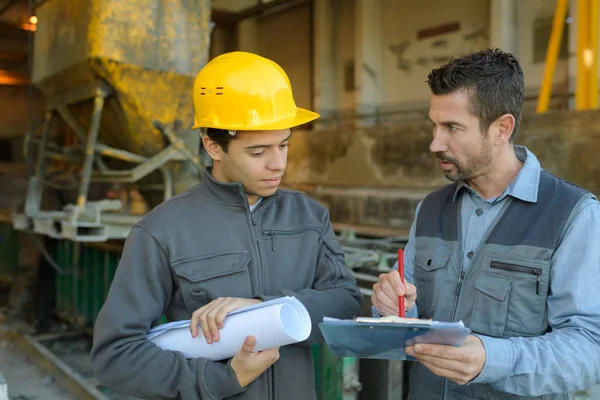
{"points": [[381, 338]]}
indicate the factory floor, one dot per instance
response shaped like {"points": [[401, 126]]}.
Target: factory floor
{"points": [[27, 381]]}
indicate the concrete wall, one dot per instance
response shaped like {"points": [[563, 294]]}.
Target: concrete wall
{"points": [[408, 60], [374, 177]]}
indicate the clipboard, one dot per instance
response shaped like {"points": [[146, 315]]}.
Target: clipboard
{"points": [[385, 338]]}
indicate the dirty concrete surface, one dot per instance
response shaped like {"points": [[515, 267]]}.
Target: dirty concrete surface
{"points": [[25, 380]]}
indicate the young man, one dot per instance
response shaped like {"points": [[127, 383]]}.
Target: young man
{"points": [[508, 248], [232, 241]]}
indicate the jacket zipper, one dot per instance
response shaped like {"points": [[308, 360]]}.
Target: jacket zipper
{"points": [[273, 233], [460, 283], [461, 277], [260, 257], [262, 276], [520, 268]]}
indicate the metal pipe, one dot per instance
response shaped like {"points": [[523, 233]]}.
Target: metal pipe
{"points": [[582, 74], [140, 171], [558, 24], [168, 179], [153, 163], [39, 168], [179, 144], [119, 154], [593, 79], [80, 132], [90, 147], [49, 258]]}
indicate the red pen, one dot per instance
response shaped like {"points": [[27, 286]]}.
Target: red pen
{"points": [[401, 272]]}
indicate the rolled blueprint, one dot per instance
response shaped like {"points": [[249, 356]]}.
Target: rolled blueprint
{"points": [[274, 323]]}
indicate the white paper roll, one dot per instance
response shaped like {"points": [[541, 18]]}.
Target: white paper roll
{"points": [[275, 323]]}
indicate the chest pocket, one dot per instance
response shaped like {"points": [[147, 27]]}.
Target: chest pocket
{"points": [[429, 262], [290, 256], [204, 278], [511, 297]]}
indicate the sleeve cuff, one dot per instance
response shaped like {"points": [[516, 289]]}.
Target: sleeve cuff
{"points": [[499, 359], [374, 312], [266, 297], [221, 381]]}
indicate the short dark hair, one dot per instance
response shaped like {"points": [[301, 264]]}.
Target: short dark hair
{"points": [[220, 136], [492, 78]]}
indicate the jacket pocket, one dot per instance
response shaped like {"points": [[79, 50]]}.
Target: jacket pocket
{"points": [[522, 269], [204, 278], [290, 256], [273, 235], [529, 292], [429, 264], [490, 306]]}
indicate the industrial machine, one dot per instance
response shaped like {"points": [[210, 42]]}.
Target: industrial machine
{"points": [[116, 76]]}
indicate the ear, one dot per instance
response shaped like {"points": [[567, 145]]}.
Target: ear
{"points": [[213, 149], [504, 128]]}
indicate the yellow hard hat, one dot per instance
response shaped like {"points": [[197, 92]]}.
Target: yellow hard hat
{"points": [[244, 91]]}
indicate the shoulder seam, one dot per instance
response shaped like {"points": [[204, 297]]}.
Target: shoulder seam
{"points": [[155, 241]]}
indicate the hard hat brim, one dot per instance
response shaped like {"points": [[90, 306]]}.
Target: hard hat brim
{"points": [[302, 117]]}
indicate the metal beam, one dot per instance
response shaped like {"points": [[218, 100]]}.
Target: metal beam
{"points": [[583, 64], [593, 80], [90, 147], [558, 24]]}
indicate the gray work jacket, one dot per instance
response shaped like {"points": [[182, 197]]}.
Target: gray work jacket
{"points": [[205, 244]]}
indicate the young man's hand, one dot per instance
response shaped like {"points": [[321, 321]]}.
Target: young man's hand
{"points": [[387, 290], [248, 365], [211, 316]]}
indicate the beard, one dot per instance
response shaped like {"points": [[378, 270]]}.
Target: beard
{"points": [[469, 168]]}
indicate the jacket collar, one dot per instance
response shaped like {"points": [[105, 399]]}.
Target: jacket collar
{"points": [[525, 185], [222, 192]]}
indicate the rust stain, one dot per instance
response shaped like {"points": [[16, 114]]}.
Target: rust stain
{"points": [[326, 147]]}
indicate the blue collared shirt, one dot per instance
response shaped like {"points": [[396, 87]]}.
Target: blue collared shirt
{"points": [[568, 358]]}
